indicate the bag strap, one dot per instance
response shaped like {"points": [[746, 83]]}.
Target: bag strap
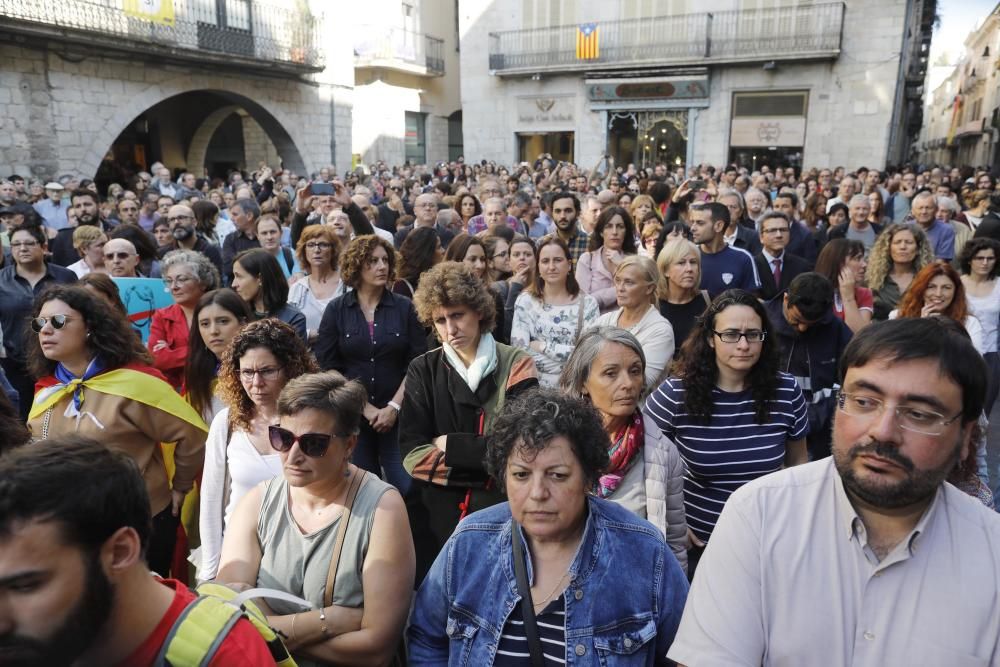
{"points": [[524, 590], [227, 480], [579, 319], [338, 546]]}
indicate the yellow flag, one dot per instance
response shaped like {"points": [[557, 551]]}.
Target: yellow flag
{"points": [[587, 47], [157, 11]]}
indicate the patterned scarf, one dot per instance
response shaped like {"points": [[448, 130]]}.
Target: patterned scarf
{"points": [[67, 379], [627, 443]]}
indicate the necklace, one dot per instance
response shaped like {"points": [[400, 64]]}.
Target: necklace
{"points": [[548, 597]]}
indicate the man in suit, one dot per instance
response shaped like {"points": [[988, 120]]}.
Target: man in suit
{"points": [[776, 267]]}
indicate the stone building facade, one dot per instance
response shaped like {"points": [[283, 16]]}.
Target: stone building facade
{"points": [[75, 89], [751, 81]]}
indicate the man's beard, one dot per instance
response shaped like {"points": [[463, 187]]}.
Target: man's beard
{"points": [[919, 485], [83, 219], [79, 631]]}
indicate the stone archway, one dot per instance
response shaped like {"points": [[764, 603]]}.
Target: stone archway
{"points": [[285, 130], [199, 142]]}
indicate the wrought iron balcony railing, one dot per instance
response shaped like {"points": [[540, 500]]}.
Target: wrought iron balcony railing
{"points": [[782, 33], [395, 48], [219, 31]]}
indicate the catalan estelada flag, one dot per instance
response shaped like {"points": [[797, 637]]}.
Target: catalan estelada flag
{"points": [[587, 47]]}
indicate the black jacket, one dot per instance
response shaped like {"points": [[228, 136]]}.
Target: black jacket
{"points": [[791, 266]]}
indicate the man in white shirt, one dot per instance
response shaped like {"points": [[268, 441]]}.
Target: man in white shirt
{"points": [[868, 557]]}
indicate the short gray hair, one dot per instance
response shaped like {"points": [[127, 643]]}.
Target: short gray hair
{"points": [[577, 369], [944, 201], [328, 392], [860, 199], [248, 206], [200, 265]]}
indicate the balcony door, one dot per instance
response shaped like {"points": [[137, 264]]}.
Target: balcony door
{"points": [[226, 26]]}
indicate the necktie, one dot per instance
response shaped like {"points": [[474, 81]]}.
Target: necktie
{"points": [[777, 272]]}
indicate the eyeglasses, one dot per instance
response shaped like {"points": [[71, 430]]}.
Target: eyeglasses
{"points": [[118, 255], [313, 445], [501, 255], [179, 281], [178, 218], [917, 420], [23, 244], [752, 336], [319, 245], [266, 374], [57, 322], [776, 230], [396, 189]]}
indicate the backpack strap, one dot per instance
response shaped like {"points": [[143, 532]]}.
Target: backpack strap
{"points": [[198, 633]]}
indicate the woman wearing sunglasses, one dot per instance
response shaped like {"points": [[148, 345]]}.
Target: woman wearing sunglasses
{"points": [[326, 531], [733, 415], [255, 367], [97, 381]]}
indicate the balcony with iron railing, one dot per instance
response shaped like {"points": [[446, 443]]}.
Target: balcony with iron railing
{"points": [[223, 33], [738, 36], [398, 49]]}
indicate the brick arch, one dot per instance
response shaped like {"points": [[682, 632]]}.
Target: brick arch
{"points": [[284, 130]]}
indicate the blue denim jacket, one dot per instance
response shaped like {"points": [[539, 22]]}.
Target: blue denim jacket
{"points": [[623, 602]]}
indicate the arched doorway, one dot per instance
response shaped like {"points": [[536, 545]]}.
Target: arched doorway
{"points": [[647, 138], [206, 132]]}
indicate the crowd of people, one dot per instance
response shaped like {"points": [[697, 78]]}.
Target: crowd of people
{"points": [[476, 415]]}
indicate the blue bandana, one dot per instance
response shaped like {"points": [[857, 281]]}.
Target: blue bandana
{"points": [[66, 378]]}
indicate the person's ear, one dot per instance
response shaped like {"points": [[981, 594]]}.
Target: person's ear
{"points": [[121, 551]]}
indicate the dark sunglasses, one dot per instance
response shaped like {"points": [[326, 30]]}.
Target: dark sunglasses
{"points": [[313, 445], [57, 322]]}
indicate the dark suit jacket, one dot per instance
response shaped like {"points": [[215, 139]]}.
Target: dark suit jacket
{"points": [[791, 266], [747, 239], [445, 234]]}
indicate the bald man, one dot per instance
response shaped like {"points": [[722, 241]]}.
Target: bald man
{"points": [[121, 258], [184, 230], [425, 211]]}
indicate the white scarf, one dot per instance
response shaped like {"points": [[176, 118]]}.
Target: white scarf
{"points": [[484, 363]]}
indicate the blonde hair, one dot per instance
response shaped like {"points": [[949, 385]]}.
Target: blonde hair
{"points": [[84, 235], [672, 252], [647, 268]]}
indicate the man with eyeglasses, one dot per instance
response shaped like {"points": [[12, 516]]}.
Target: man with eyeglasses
{"points": [[184, 230], [868, 557], [20, 282], [810, 340], [390, 210], [775, 265], [426, 211]]}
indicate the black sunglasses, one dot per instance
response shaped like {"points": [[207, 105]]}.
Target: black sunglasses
{"points": [[57, 322], [313, 445]]}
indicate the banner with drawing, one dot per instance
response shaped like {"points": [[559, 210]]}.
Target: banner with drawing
{"points": [[141, 297]]}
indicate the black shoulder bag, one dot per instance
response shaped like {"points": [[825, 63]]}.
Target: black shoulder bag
{"points": [[527, 607]]}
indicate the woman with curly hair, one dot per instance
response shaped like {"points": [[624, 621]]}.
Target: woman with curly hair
{"points": [[732, 413], [420, 251], [370, 334], [256, 366], [318, 253], [899, 253], [97, 380], [453, 395], [938, 291], [468, 207]]}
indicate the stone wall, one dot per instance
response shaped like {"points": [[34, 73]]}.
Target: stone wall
{"points": [[60, 116]]}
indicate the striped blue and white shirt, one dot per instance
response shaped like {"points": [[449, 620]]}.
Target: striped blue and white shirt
{"points": [[731, 449], [551, 621]]}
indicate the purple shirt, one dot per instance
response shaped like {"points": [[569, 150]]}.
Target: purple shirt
{"points": [[941, 236], [478, 224]]}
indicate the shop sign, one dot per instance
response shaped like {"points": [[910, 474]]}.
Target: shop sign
{"points": [[662, 89], [545, 110], [765, 132]]}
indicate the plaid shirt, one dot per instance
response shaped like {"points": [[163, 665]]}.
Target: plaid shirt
{"points": [[578, 245]]}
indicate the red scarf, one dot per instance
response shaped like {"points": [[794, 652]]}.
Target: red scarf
{"points": [[626, 444]]}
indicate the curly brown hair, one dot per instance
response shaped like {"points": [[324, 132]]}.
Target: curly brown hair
{"points": [[110, 334], [451, 284], [323, 234], [357, 255], [286, 346]]}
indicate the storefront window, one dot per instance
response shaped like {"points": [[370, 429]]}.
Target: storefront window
{"points": [[532, 144]]}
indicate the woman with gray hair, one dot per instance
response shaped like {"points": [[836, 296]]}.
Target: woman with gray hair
{"points": [[187, 275], [646, 473]]}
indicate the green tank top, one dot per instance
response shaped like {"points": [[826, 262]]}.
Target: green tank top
{"points": [[298, 564]]}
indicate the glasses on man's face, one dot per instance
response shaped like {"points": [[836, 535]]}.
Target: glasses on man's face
{"points": [[23, 244], [909, 418], [396, 188], [180, 281], [266, 374], [733, 336], [776, 231], [121, 256], [313, 445], [57, 322], [318, 245]]}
